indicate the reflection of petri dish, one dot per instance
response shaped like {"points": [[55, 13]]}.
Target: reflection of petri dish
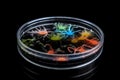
{"points": [[58, 34]]}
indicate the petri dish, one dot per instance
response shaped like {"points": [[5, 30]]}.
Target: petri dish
{"points": [[60, 43]]}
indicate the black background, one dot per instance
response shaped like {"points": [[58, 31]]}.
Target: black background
{"points": [[104, 17]]}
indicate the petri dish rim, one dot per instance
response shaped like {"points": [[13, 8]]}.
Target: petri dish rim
{"points": [[60, 17]]}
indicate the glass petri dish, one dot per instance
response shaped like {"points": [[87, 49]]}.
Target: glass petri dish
{"points": [[64, 61]]}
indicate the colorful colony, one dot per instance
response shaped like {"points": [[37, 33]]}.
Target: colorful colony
{"points": [[60, 38]]}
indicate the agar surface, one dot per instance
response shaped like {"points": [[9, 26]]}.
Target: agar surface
{"points": [[60, 38]]}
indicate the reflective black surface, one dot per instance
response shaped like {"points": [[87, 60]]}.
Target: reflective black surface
{"points": [[32, 71]]}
